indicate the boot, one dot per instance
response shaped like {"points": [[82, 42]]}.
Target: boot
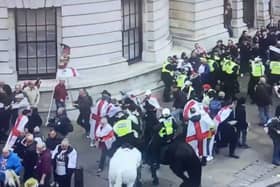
{"points": [[203, 161]]}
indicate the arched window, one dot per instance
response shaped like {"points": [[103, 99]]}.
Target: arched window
{"points": [[132, 30]]}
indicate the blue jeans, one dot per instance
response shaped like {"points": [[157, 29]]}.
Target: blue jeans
{"points": [[59, 104], [276, 152], [177, 114], [264, 113]]}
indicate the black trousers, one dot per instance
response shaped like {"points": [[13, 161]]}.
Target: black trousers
{"points": [[64, 180], [104, 154], [28, 173], [83, 120], [227, 135], [251, 86], [47, 181]]}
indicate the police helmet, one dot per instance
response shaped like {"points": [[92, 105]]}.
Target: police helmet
{"points": [[165, 112]]}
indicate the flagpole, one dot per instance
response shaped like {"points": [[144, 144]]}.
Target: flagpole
{"points": [[50, 107], [70, 93], [8, 140]]}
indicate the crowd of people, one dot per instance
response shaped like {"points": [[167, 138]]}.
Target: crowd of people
{"points": [[27, 152], [207, 110]]}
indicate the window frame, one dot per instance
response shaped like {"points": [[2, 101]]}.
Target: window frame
{"points": [[34, 75], [136, 28]]}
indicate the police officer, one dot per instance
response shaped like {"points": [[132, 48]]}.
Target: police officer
{"points": [[168, 126], [230, 72], [274, 73], [164, 133], [213, 65], [188, 90], [124, 130], [257, 70], [167, 76], [181, 78]]}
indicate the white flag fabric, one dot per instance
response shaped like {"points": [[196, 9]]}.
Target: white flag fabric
{"points": [[67, 72], [277, 90], [192, 104], [153, 101], [223, 114]]}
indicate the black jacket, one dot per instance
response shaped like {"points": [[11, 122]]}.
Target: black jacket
{"points": [[263, 95], [51, 143], [84, 104], [61, 124], [179, 99], [240, 116], [273, 127]]}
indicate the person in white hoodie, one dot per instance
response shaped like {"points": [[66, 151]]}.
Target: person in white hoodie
{"points": [[33, 94], [105, 137]]}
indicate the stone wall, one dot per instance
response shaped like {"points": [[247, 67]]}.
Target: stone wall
{"points": [[4, 35], [7, 70], [262, 13], [93, 30], [194, 21], [276, 10], [156, 35]]}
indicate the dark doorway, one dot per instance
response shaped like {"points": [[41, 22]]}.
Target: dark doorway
{"points": [[249, 12]]}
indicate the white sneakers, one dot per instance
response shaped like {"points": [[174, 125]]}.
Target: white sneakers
{"points": [[92, 143], [209, 158]]}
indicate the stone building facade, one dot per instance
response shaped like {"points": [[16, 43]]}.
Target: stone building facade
{"points": [[114, 43]]}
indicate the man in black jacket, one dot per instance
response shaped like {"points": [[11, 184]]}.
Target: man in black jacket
{"points": [[61, 123], [263, 100], [53, 140], [84, 103], [180, 100], [26, 149]]}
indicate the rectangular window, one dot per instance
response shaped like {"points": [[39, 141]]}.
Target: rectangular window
{"points": [[36, 43], [131, 30]]}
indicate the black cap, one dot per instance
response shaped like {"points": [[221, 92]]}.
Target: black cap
{"points": [[105, 92]]}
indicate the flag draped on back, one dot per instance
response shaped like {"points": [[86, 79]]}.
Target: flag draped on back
{"points": [[223, 114]]}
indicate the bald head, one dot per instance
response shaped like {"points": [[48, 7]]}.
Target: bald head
{"points": [[262, 80], [41, 146], [65, 144], [5, 152], [29, 138]]}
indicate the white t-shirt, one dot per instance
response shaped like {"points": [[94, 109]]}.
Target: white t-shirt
{"points": [[60, 164]]}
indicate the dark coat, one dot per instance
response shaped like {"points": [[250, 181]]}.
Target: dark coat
{"points": [[51, 143], [240, 116], [263, 95], [33, 121], [61, 124], [273, 127], [84, 104], [226, 132], [179, 99], [30, 156], [44, 164]]}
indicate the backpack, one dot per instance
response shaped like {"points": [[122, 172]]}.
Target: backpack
{"points": [[214, 107]]}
